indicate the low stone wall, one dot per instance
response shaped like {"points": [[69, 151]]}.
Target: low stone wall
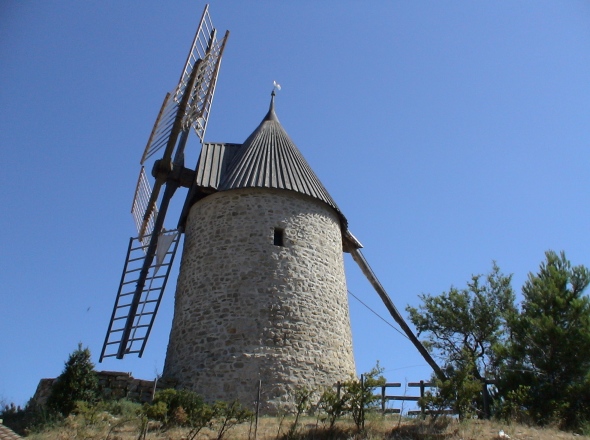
{"points": [[113, 385]]}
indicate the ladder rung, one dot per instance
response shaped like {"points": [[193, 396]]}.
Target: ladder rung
{"points": [[132, 270]]}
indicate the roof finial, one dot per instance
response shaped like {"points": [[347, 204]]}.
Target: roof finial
{"points": [[271, 111]]}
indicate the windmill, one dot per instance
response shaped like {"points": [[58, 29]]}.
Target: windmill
{"points": [[150, 255], [261, 294]]}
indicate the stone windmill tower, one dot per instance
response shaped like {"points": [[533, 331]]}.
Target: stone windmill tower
{"points": [[261, 295], [262, 291]]}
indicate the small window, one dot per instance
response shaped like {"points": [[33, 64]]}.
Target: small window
{"points": [[279, 237]]}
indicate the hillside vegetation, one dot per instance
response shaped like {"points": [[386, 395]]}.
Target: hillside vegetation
{"points": [[508, 371], [272, 428]]}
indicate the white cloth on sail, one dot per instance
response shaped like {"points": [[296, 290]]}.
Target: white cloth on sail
{"points": [[164, 242]]}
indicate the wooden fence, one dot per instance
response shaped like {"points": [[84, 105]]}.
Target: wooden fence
{"points": [[404, 398], [423, 385]]}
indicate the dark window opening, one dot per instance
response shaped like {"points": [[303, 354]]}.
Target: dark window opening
{"points": [[279, 237]]}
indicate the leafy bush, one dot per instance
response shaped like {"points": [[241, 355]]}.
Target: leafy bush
{"points": [[121, 408], [177, 408], [156, 411], [104, 410], [186, 408]]}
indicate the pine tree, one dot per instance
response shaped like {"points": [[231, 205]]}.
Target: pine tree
{"points": [[550, 345], [77, 382]]}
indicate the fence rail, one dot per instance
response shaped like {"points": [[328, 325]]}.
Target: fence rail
{"points": [[404, 398], [423, 385]]}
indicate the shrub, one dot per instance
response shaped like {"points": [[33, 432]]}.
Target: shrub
{"points": [[353, 397], [334, 404], [302, 405], [227, 415], [175, 407], [362, 394], [460, 392]]}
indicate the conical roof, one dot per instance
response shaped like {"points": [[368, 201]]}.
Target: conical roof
{"points": [[270, 159]]}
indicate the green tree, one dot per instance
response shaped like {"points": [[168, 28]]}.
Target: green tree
{"points": [[77, 382], [548, 364], [464, 328]]}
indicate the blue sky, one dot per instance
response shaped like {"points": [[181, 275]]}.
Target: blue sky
{"points": [[450, 134]]}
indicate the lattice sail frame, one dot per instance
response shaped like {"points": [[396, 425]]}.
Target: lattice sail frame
{"points": [[162, 128], [143, 192], [205, 54], [149, 301], [188, 105]]}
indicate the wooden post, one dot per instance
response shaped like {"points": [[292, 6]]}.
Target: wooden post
{"points": [[257, 409], [155, 387], [362, 408], [422, 400], [383, 400]]}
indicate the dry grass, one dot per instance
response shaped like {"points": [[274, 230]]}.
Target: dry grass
{"points": [[452, 429], [377, 427]]}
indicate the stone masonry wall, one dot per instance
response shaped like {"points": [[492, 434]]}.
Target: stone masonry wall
{"points": [[248, 310], [112, 385]]}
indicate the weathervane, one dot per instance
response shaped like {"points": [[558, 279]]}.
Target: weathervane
{"points": [[275, 86]]}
